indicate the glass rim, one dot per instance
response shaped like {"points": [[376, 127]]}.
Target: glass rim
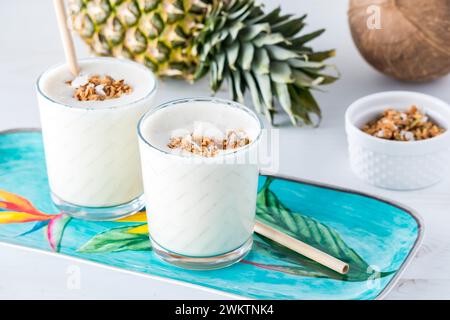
{"points": [[230, 103], [125, 61]]}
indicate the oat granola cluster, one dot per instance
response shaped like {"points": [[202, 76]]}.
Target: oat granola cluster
{"points": [[208, 146], [97, 88], [403, 126]]}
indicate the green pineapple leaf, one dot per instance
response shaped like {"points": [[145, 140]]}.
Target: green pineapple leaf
{"points": [[259, 44]]}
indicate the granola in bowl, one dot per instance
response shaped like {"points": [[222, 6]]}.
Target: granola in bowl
{"points": [[378, 147], [410, 125]]}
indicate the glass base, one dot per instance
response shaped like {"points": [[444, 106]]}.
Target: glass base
{"points": [[99, 213], [203, 263]]}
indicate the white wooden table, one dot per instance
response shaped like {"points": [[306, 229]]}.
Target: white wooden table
{"points": [[30, 43]]}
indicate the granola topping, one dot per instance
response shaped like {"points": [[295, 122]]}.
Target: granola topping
{"points": [[209, 146], [98, 88], [410, 125]]}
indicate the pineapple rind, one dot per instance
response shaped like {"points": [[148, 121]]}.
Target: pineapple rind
{"points": [[158, 33]]}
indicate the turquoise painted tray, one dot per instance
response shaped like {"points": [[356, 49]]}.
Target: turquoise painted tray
{"points": [[376, 237]]}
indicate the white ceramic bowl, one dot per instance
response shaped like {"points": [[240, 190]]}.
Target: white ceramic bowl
{"points": [[394, 164]]}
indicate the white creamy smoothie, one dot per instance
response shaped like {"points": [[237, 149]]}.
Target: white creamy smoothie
{"points": [[91, 146], [200, 204]]}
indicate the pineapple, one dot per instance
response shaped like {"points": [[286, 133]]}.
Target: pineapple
{"points": [[234, 40]]}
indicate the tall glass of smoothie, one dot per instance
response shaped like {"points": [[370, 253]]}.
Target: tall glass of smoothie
{"points": [[200, 173], [89, 132]]}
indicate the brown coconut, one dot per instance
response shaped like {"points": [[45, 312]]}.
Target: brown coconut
{"points": [[413, 43]]}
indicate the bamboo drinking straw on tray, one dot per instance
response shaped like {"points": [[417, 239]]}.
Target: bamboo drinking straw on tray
{"points": [[301, 248], [69, 49]]}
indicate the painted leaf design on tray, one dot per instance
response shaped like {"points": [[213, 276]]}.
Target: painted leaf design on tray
{"points": [[140, 216], [116, 240], [272, 211], [16, 209], [15, 202], [55, 231], [296, 264], [7, 217], [37, 226], [300, 270], [142, 229]]}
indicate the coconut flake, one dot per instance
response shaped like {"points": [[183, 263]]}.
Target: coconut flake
{"points": [[207, 129], [79, 81], [99, 89], [380, 134], [403, 116], [407, 135], [180, 133]]}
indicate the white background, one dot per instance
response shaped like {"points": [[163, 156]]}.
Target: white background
{"points": [[29, 43]]}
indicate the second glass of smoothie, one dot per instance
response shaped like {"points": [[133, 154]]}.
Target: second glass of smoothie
{"points": [[89, 132], [200, 173]]}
